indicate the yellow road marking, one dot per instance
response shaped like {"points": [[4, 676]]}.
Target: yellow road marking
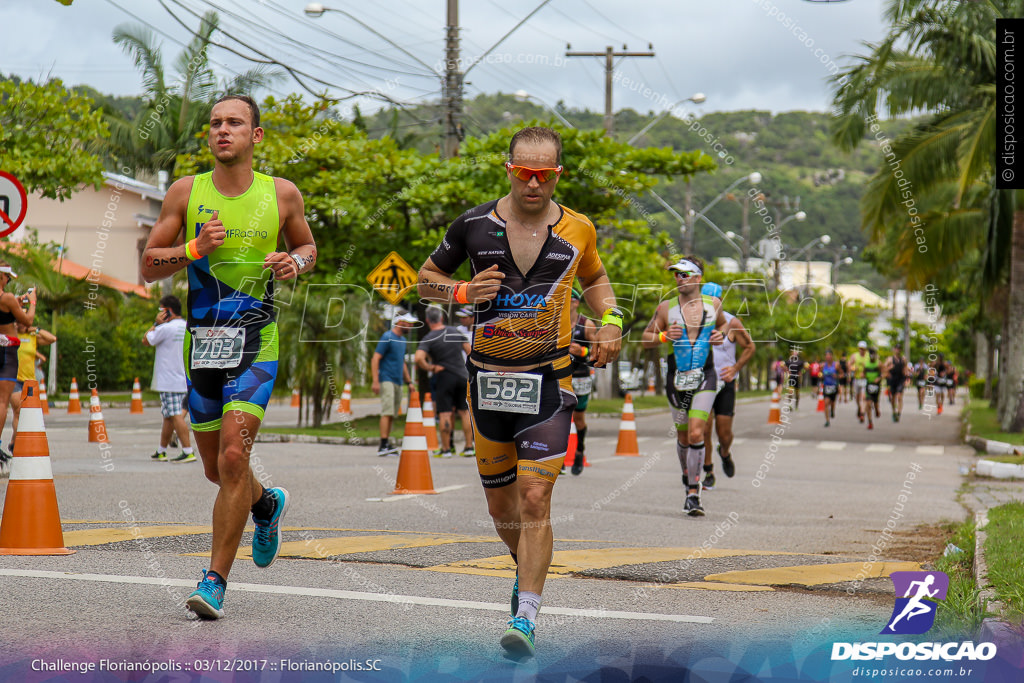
{"points": [[322, 548], [127, 533], [708, 586], [813, 575], [572, 561]]}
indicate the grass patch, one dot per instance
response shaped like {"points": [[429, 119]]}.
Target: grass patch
{"points": [[364, 428], [1004, 539], [959, 613], [614, 405], [984, 423]]}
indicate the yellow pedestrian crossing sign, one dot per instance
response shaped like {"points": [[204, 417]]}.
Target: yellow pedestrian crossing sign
{"points": [[392, 278]]}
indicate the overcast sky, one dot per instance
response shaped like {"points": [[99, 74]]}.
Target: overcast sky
{"points": [[743, 54]]}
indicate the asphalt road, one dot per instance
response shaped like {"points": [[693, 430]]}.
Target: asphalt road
{"points": [[419, 585]]}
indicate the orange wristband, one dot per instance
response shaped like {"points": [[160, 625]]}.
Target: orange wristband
{"points": [[192, 251], [663, 338], [461, 288]]}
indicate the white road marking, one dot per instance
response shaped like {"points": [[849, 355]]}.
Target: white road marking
{"points": [[355, 595], [930, 450], [880, 448], [831, 445], [406, 496], [789, 442]]}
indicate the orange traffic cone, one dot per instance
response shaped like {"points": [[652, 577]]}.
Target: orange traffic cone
{"points": [[136, 408], [573, 450], [97, 427], [42, 398], [775, 413], [31, 521], [414, 464], [345, 405], [627, 431], [295, 398], [74, 405], [429, 423], [821, 399], [650, 384]]}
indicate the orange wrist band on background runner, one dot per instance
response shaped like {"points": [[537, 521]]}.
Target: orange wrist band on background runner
{"points": [[663, 338]]}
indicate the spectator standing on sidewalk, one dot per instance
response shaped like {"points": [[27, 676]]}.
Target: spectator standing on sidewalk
{"points": [[167, 336], [390, 373]]}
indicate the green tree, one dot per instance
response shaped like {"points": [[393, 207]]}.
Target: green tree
{"points": [[47, 138], [939, 209], [174, 111]]}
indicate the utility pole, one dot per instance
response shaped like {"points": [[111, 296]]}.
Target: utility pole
{"points": [[452, 95], [688, 241], [609, 55]]}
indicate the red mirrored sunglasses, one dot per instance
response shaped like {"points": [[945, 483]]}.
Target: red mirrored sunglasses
{"points": [[524, 173]]}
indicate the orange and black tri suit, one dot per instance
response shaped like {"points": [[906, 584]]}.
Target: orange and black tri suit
{"points": [[526, 324]]}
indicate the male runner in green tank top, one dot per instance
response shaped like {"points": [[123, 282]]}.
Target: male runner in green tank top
{"points": [[224, 227]]}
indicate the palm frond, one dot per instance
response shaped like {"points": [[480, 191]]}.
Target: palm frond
{"points": [[140, 44]]}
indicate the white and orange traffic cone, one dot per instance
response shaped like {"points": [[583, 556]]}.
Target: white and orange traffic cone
{"points": [[43, 401], [74, 404], [31, 521], [572, 452], [775, 412], [97, 427], [345, 405], [414, 464], [295, 398], [650, 384], [136, 408], [821, 399], [430, 423], [627, 444]]}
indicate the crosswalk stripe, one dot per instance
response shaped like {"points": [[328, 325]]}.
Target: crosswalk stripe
{"points": [[930, 450], [831, 445], [880, 448]]}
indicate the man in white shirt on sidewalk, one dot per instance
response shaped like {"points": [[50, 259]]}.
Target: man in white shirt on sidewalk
{"points": [[167, 336]]}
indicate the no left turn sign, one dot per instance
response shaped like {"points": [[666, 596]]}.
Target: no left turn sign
{"points": [[13, 203]]}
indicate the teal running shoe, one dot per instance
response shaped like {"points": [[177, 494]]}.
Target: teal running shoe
{"points": [[515, 595], [266, 538], [518, 639], [207, 600]]}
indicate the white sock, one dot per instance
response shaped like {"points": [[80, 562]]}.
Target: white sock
{"points": [[187, 451], [529, 605], [161, 449]]}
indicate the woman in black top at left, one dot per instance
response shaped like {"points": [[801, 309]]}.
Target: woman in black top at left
{"points": [[11, 313]]}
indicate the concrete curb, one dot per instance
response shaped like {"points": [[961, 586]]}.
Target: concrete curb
{"points": [[993, 447], [267, 437], [993, 629]]}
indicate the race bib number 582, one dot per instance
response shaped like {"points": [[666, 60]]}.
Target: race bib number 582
{"points": [[508, 392]]}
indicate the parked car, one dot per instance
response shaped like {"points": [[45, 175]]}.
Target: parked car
{"points": [[630, 377]]}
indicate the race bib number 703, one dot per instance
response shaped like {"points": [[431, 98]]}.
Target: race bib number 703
{"points": [[217, 347]]}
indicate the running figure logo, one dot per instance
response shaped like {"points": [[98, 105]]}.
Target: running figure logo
{"points": [[914, 612]]}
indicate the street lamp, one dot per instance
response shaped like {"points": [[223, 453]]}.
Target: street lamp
{"points": [[523, 96], [824, 240], [696, 98]]}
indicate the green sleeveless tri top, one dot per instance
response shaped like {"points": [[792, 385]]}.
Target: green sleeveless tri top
{"points": [[230, 287]]}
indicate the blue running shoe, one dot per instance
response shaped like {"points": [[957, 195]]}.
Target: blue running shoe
{"points": [[207, 600], [515, 595], [266, 538], [518, 639]]}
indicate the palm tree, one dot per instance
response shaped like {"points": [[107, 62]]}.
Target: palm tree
{"points": [[933, 202], [174, 113]]}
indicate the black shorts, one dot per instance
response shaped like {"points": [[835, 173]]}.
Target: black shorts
{"points": [[449, 392], [896, 387], [794, 381], [872, 391], [513, 444], [9, 363], [725, 400], [830, 391]]}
